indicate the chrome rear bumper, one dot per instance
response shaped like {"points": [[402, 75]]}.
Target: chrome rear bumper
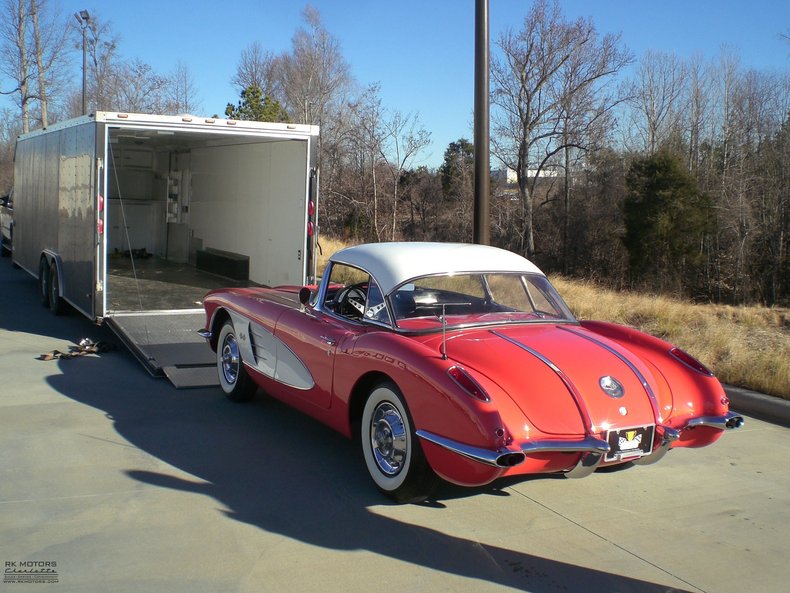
{"points": [[592, 449]]}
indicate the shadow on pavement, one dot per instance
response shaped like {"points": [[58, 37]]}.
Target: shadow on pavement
{"points": [[275, 469]]}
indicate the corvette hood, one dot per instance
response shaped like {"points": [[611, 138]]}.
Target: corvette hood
{"points": [[556, 375]]}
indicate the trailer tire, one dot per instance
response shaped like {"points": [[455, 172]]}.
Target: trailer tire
{"points": [[56, 304], [233, 377], [43, 281]]}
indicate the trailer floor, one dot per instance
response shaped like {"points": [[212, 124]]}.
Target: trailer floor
{"points": [[155, 284], [155, 308]]}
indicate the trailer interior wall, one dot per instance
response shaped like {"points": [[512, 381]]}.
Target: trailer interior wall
{"points": [[55, 211], [250, 199]]}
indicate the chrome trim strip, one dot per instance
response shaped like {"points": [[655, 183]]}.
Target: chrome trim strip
{"points": [[485, 456], [580, 404], [125, 313], [730, 421], [586, 445], [652, 396], [589, 446]]}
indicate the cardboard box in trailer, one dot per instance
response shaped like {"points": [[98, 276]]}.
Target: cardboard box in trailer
{"points": [[130, 219]]}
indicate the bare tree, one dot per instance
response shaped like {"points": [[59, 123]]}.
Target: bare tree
{"points": [[534, 86], [314, 74], [368, 117], [257, 68], [698, 107], [49, 35], [139, 89], [9, 130], [655, 98], [15, 61], [387, 144], [103, 60], [404, 138], [585, 112], [181, 91]]}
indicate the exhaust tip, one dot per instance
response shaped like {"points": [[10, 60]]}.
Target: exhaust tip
{"points": [[510, 459], [733, 422]]}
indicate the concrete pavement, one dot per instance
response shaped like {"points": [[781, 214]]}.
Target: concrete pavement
{"points": [[127, 485]]}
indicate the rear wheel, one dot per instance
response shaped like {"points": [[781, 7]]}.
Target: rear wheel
{"points": [[43, 281], [56, 304], [233, 377], [391, 449]]}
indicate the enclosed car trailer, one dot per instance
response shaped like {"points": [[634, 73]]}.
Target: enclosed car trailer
{"points": [[130, 219]]}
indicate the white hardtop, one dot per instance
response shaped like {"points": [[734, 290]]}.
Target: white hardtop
{"points": [[392, 264]]}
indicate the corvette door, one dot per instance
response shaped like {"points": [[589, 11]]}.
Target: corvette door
{"points": [[313, 340]]}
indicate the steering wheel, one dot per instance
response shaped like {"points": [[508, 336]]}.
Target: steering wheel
{"points": [[351, 299]]}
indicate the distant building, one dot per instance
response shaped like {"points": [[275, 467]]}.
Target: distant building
{"points": [[508, 175]]}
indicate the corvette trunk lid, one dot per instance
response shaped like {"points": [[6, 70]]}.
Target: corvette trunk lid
{"points": [[556, 374]]}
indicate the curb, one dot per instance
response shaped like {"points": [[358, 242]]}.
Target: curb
{"points": [[765, 407]]}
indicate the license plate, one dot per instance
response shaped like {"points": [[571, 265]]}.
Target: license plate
{"points": [[629, 443]]}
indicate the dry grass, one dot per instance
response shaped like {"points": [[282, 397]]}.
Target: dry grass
{"points": [[745, 346]]}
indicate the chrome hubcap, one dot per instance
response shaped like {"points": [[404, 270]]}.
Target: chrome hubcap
{"points": [[388, 438], [230, 359]]}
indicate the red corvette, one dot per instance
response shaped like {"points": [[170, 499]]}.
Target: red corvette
{"points": [[461, 362]]}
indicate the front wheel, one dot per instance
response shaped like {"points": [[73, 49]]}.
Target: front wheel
{"points": [[390, 447], [233, 377]]}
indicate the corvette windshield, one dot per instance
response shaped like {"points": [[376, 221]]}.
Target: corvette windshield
{"points": [[471, 299]]}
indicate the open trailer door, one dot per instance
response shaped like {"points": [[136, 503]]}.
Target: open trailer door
{"points": [[197, 206]]}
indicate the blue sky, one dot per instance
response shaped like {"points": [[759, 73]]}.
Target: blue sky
{"points": [[421, 52]]}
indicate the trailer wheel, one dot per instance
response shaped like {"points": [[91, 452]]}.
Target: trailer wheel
{"points": [[43, 281], [56, 304], [233, 378]]}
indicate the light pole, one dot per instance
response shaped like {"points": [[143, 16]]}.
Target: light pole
{"points": [[82, 18], [482, 216]]}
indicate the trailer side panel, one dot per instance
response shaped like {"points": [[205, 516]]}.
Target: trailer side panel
{"points": [[55, 208]]}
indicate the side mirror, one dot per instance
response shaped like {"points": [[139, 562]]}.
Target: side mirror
{"points": [[304, 295]]}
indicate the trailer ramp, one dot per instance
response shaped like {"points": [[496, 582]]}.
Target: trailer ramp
{"points": [[167, 344]]}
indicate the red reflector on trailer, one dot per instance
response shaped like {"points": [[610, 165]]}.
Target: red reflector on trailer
{"points": [[100, 226], [310, 208], [309, 229], [101, 203]]}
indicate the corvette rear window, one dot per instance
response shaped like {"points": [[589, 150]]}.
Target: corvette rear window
{"points": [[469, 299]]}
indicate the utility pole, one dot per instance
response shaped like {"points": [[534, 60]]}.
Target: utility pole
{"points": [[82, 18], [482, 210]]}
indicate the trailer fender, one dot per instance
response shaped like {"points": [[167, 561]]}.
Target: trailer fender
{"points": [[50, 281]]}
